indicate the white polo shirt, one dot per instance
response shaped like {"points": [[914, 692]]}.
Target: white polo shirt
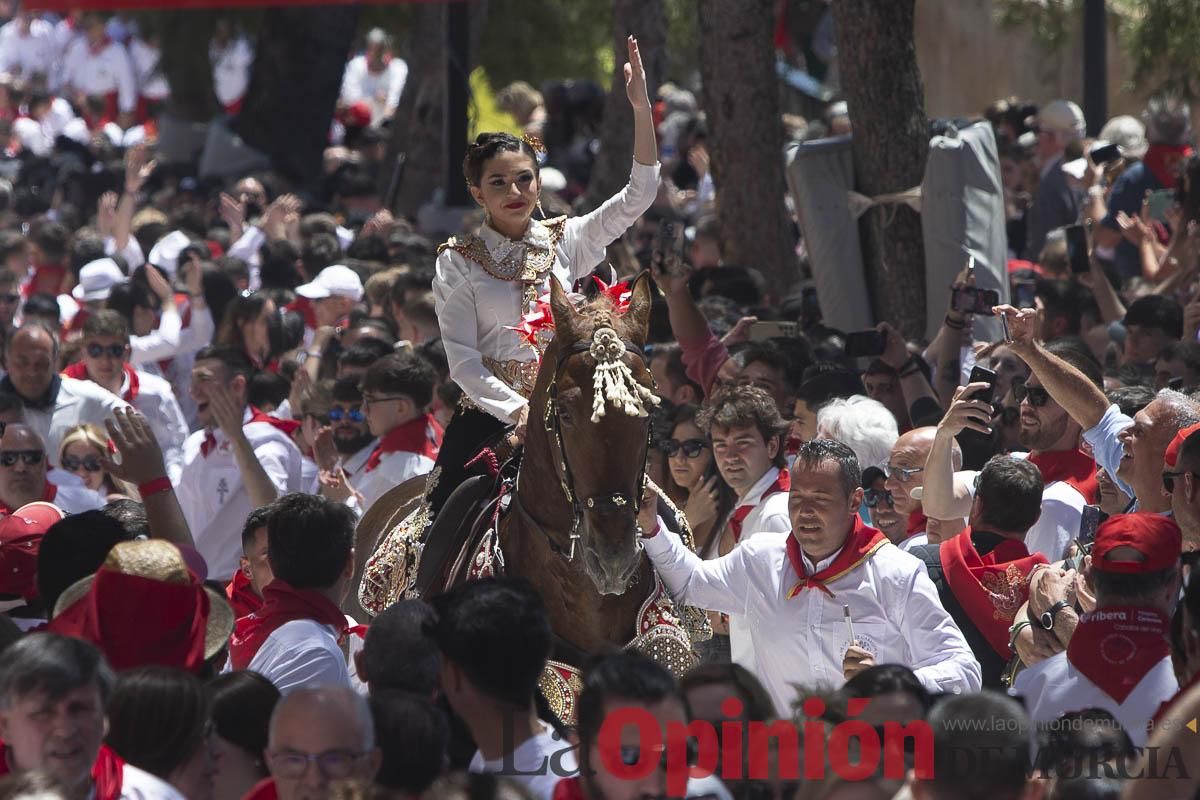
{"points": [[299, 653]]}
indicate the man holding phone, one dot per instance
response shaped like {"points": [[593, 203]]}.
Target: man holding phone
{"points": [[1055, 203]]}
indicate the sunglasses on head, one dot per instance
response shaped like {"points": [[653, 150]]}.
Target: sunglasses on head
{"points": [[354, 414], [112, 350], [1168, 479], [690, 447], [874, 497], [1036, 395], [31, 457], [90, 463]]}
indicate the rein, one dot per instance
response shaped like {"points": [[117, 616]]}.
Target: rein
{"points": [[553, 426]]}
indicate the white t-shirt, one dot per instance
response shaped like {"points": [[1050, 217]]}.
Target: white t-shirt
{"points": [[299, 653], [548, 756]]}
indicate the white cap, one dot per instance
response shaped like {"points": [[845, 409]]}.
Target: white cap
{"points": [[1128, 133], [165, 253], [96, 280], [335, 281], [1062, 116]]}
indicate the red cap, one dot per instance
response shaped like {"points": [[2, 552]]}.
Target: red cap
{"points": [[20, 539], [1171, 456], [1155, 536]]}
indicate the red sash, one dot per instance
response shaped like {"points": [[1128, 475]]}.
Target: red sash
{"points": [[421, 436], [1073, 467], [990, 588], [861, 544], [281, 604], [47, 279], [106, 772], [48, 495], [783, 483], [241, 595], [1115, 648], [287, 426], [79, 372], [263, 790]]}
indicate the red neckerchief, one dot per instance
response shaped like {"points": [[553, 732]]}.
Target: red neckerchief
{"points": [[1167, 705], [98, 48], [263, 790], [106, 772], [304, 307], [50, 274], [48, 495], [418, 436], [990, 588], [241, 595], [861, 544], [1156, 160], [282, 603], [783, 483], [286, 426], [1073, 467], [917, 522], [1115, 648], [76, 323], [568, 789], [79, 372]]}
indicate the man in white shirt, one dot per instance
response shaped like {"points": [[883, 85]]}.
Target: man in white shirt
{"points": [[747, 442], [53, 404], [333, 294], [1119, 655], [27, 47], [106, 363], [231, 56], [376, 77], [98, 68], [236, 462], [792, 589], [495, 637], [294, 639], [23, 467]]}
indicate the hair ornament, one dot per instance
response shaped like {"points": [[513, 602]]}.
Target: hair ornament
{"points": [[535, 144]]}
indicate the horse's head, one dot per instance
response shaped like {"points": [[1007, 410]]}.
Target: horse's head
{"points": [[597, 424]]}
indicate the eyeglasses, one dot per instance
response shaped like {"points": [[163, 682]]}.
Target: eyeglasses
{"points": [[368, 399], [1168, 479], [31, 457], [874, 497], [322, 419], [902, 474], [690, 447], [112, 350], [632, 754], [9, 297], [1036, 395], [354, 414], [333, 764], [90, 463]]}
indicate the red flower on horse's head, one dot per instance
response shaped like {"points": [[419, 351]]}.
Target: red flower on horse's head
{"points": [[619, 293]]}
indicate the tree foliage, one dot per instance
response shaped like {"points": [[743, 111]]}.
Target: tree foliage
{"points": [[1164, 44]]}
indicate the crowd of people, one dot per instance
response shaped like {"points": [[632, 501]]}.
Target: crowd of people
{"points": [[208, 390]]}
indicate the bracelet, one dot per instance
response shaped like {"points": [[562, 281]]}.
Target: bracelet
{"points": [[155, 486], [1015, 631], [910, 367], [953, 324]]}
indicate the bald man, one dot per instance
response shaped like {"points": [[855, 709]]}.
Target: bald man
{"points": [[53, 404], [318, 736], [906, 476], [23, 475]]}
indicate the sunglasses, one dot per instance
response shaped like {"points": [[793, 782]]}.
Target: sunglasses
{"points": [[90, 463], [632, 754], [690, 447], [354, 414], [1168, 479], [1036, 395], [874, 497], [112, 350], [31, 457], [322, 419], [9, 297]]}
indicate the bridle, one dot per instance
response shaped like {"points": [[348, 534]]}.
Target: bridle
{"points": [[553, 427]]}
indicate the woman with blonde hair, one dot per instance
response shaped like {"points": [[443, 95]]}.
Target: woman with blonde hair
{"points": [[81, 453]]}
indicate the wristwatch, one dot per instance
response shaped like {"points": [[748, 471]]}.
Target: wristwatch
{"points": [[1047, 618]]}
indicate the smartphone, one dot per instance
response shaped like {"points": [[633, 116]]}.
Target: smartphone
{"points": [[974, 301], [865, 344], [1158, 203], [1105, 153], [983, 375], [1089, 519], [770, 329], [1024, 294], [667, 254], [1077, 249]]}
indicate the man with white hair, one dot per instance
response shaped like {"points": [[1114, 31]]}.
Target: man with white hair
{"points": [[318, 736], [863, 424], [1060, 123]]}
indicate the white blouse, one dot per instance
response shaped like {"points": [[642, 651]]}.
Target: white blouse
{"points": [[475, 308]]}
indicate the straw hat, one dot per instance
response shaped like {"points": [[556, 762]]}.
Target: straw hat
{"points": [[158, 560]]}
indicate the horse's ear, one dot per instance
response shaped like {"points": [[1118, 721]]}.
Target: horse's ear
{"points": [[637, 316], [561, 308]]}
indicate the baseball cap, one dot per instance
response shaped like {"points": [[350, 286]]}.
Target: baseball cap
{"points": [[20, 540], [1062, 116], [165, 253], [1171, 456], [96, 280], [1128, 133], [1155, 536], [335, 281]]}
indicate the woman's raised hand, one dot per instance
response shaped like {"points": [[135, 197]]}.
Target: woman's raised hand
{"points": [[635, 78]]}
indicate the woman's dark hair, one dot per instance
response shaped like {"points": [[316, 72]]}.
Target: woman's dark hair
{"points": [[489, 145], [157, 718], [414, 736], [125, 297], [243, 309], [219, 290], [242, 703]]}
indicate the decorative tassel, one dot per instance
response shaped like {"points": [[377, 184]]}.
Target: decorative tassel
{"points": [[614, 382]]}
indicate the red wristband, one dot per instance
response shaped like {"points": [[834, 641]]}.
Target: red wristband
{"points": [[155, 486]]}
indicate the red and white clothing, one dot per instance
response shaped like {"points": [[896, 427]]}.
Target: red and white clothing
{"points": [[231, 64], [797, 607], [380, 90], [213, 495], [405, 452], [101, 71], [1121, 663], [152, 83], [763, 509], [28, 52]]}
